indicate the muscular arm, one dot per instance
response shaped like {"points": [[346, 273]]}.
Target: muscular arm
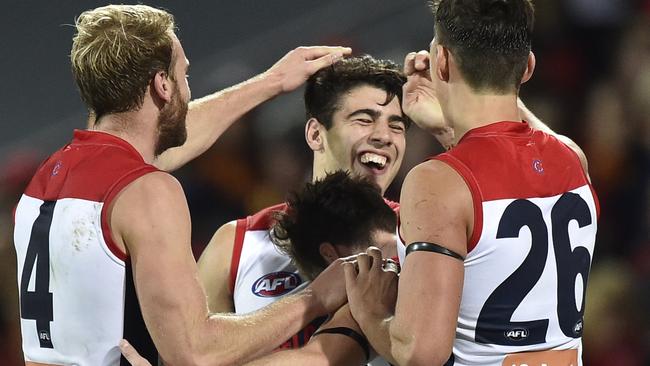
{"points": [[210, 116], [151, 219], [436, 207], [323, 349], [214, 269]]}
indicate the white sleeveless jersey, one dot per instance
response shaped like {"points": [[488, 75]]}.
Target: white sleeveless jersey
{"points": [[529, 257], [260, 274], [76, 293]]}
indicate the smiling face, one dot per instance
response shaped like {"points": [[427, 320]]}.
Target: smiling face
{"points": [[367, 137]]}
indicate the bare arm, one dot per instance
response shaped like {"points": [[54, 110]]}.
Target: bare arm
{"points": [[422, 330], [440, 213], [323, 349], [210, 116], [214, 269], [537, 124], [152, 219]]}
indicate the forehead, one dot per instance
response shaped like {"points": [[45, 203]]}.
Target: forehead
{"points": [[178, 54], [368, 97]]}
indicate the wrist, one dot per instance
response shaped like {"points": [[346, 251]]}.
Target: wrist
{"points": [[314, 306], [272, 82]]}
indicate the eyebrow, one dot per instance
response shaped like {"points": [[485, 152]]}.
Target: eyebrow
{"points": [[375, 114]]}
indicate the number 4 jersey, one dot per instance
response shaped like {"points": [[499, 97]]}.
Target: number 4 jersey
{"points": [[530, 253], [76, 291]]}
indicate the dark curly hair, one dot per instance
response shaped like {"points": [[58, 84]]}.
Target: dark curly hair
{"points": [[339, 209], [325, 88], [490, 39]]}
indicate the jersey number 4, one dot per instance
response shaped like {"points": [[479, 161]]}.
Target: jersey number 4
{"points": [[494, 324], [37, 304]]}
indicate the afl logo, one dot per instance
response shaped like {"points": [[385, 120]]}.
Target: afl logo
{"points": [[276, 284], [537, 166], [577, 329], [517, 334]]}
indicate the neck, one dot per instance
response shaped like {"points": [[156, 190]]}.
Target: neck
{"points": [[136, 128], [468, 110]]}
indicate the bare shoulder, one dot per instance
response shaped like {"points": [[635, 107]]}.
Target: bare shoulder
{"points": [[436, 206], [433, 177], [218, 253], [152, 206]]}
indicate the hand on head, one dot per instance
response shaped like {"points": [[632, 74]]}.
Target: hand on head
{"points": [[299, 64], [371, 285]]}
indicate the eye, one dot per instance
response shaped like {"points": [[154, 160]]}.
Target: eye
{"points": [[364, 121], [398, 127]]}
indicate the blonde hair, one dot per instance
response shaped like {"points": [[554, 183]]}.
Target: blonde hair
{"points": [[116, 51]]}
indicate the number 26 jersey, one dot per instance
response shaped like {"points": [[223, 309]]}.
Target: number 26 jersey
{"points": [[531, 249]]}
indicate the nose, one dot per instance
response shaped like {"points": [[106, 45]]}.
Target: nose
{"points": [[381, 135]]}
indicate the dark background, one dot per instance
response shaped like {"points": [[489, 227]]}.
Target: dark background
{"points": [[592, 83]]}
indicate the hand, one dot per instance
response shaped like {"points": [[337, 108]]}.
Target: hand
{"points": [[132, 355], [419, 98], [372, 291], [329, 288], [299, 64]]}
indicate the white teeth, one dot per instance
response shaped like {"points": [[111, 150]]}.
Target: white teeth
{"points": [[374, 158]]}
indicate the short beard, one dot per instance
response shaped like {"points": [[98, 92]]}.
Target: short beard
{"points": [[172, 131]]}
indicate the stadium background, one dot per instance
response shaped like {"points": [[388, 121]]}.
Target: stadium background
{"points": [[592, 83]]}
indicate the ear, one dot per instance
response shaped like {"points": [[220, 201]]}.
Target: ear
{"points": [[162, 86], [442, 63], [530, 67], [328, 252], [314, 134]]}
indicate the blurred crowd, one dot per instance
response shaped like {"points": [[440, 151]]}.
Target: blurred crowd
{"points": [[592, 83]]}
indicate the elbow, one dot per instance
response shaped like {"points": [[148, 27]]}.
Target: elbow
{"points": [[415, 351], [415, 355]]}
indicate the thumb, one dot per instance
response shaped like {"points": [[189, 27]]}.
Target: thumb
{"points": [[132, 355]]}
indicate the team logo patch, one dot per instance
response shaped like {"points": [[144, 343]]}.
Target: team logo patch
{"points": [[276, 284], [517, 334], [537, 166]]}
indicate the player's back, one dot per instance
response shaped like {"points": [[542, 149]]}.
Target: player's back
{"points": [[76, 291], [530, 253]]}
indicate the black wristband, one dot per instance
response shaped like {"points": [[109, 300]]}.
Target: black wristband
{"points": [[363, 342], [431, 247]]}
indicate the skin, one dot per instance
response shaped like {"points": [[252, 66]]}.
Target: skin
{"points": [[150, 215], [361, 124], [436, 206], [323, 349]]}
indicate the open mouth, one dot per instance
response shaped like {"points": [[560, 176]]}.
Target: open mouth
{"points": [[375, 162]]}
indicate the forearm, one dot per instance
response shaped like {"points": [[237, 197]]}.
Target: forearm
{"points": [[300, 356], [377, 332], [210, 116], [234, 339]]}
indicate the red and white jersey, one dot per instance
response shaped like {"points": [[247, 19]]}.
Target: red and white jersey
{"points": [[260, 274], [77, 298], [535, 220]]}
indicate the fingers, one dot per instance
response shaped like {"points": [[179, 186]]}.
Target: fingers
{"points": [[371, 260], [416, 62], [132, 355], [350, 273], [324, 61], [377, 259], [316, 52]]}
